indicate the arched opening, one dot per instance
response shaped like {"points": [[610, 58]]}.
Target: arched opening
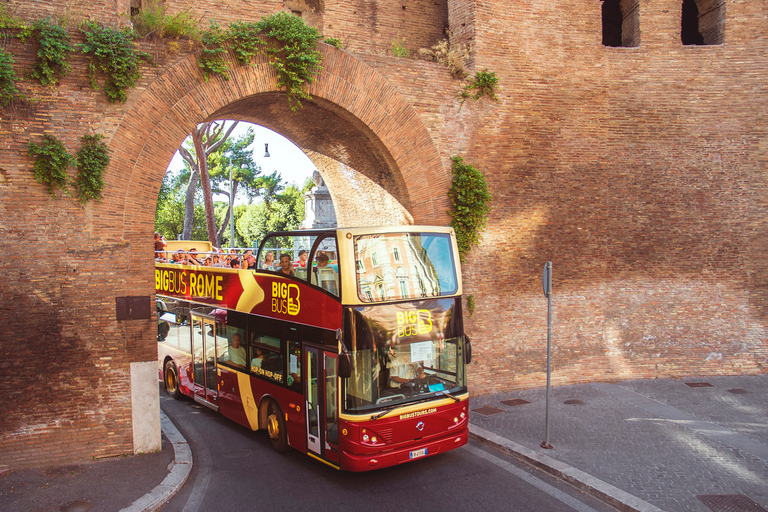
{"points": [[621, 23], [702, 22], [356, 119]]}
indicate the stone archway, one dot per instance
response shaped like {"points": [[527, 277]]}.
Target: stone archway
{"points": [[355, 117]]}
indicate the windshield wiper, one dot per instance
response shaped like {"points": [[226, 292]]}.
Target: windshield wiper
{"points": [[381, 414], [446, 393]]}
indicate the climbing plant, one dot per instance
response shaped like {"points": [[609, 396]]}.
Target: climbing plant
{"points": [[211, 60], [92, 161], [51, 164], [113, 53], [55, 47], [295, 57], [245, 40], [469, 198], [483, 84], [8, 78]]}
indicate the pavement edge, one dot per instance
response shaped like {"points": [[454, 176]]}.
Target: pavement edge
{"points": [[597, 488], [179, 471]]}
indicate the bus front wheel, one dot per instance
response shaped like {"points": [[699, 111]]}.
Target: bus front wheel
{"points": [[276, 428], [171, 379]]}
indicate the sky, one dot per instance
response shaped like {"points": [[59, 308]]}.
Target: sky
{"points": [[285, 157]]}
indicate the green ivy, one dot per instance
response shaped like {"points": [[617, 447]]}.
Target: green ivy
{"points": [[92, 161], [51, 163], [8, 78], [113, 53], [483, 84], [211, 60], [333, 41], [295, 58], [471, 304], [246, 41], [54, 49], [469, 197]]}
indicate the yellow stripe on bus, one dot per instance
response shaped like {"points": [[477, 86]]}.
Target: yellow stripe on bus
{"points": [[252, 293], [249, 404]]}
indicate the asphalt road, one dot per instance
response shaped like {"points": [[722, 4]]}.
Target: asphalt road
{"points": [[236, 469]]}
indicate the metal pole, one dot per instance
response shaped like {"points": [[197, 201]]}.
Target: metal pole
{"points": [[548, 285], [231, 208]]}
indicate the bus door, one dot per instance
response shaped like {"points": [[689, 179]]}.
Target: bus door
{"points": [[204, 360], [321, 400]]}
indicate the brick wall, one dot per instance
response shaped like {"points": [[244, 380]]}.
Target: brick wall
{"points": [[640, 172]]}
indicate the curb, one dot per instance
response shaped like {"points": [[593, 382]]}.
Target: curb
{"points": [[179, 472], [603, 491]]}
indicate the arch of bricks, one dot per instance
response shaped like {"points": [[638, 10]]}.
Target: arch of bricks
{"points": [[347, 89]]}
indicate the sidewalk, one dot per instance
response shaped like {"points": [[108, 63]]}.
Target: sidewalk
{"points": [[644, 445], [131, 484]]}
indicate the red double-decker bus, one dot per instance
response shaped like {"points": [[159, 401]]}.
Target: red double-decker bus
{"points": [[356, 356]]}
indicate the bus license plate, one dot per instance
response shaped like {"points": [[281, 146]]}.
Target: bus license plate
{"points": [[417, 453]]}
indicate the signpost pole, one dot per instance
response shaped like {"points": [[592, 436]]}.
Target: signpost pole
{"points": [[547, 284]]}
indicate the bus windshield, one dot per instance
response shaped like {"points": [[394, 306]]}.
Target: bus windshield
{"points": [[401, 266], [403, 353]]}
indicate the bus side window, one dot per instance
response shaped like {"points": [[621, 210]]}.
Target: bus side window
{"points": [[266, 349], [294, 365]]}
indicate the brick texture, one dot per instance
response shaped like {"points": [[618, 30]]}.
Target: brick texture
{"points": [[639, 171]]}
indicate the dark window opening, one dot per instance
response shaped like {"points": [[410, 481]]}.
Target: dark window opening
{"points": [[702, 22], [621, 23]]}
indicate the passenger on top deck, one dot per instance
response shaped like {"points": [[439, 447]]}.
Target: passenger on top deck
{"points": [[286, 267]]}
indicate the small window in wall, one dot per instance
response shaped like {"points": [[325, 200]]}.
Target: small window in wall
{"points": [[702, 22], [621, 23]]}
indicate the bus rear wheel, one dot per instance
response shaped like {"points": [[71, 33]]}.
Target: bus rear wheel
{"points": [[276, 427], [171, 379]]}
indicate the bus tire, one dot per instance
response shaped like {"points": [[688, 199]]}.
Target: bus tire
{"points": [[171, 379], [278, 435]]}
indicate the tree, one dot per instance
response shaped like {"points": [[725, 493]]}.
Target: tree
{"points": [[206, 139], [284, 212]]}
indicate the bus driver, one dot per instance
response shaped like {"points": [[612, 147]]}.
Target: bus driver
{"points": [[402, 371]]}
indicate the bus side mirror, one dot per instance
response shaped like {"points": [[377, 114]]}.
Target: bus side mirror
{"points": [[467, 350], [345, 365]]}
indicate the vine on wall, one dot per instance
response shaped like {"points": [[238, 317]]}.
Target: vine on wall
{"points": [[8, 90], [51, 164], [92, 161], [469, 197], [52, 55], [113, 53]]}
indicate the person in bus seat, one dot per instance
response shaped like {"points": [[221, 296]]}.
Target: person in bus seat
{"points": [[403, 372], [250, 262], [236, 352], [256, 361], [234, 262], [269, 261], [159, 247], [324, 275], [286, 266], [302, 261], [192, 257]]}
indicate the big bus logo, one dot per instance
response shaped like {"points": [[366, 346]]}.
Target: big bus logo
{"points": [[285, 298], [411, 323]]}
